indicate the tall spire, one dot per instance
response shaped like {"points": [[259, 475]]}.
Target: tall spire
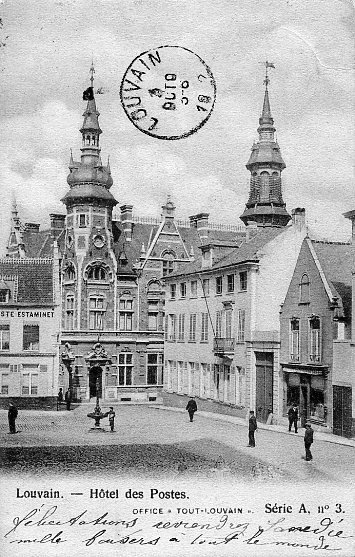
{"points": [[265, 205]]}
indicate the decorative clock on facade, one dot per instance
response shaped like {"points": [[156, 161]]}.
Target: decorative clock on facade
{"points": [[99, 241]]}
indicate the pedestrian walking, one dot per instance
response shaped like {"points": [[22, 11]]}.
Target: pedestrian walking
{"points": [[253, 426], [12, 415], [308, 440], [191, 408], [68, 398], [60, 397], [293, 417], [111, 418]]}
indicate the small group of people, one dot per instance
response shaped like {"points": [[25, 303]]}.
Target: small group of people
{"points": [[253, 425], [67, 397]]}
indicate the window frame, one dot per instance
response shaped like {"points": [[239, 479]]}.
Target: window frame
{"points": [[125, 314], [241, 325], [230, 283], [33, 346], [219, 285], [4, 328], [243, 281], [204, 327], [123, 368], [192, 327], [97, 312], [304, 293], [295, 356]]}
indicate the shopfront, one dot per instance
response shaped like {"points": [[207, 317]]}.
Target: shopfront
{"points": [[307, 388]]}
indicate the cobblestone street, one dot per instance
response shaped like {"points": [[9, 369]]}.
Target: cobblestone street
{"points": [[160, 442]]}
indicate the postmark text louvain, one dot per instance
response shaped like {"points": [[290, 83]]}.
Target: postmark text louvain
{"points": [[121, 521]]}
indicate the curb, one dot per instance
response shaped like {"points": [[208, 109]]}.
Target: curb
{"points": [[276, 429]]}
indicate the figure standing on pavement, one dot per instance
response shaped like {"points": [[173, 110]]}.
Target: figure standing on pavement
{"points": [[293, 417], [12, 415], [253, 426], [59, 397], [111, 418], [191, 408], [308, 440], [68, 398]]}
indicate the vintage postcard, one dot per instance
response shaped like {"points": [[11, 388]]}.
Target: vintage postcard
{"points": [[177, 236]]}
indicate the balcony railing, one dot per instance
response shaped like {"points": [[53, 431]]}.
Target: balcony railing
{"points": [[315, 358], [223, 345]]}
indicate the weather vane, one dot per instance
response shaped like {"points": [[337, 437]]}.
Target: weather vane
{"points": [[267, 66]]}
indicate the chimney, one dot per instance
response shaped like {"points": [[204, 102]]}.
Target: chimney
{"points": [[299, 218], [207, 256], [32, 227], [57, 221], [127, 221], [202, 226]]}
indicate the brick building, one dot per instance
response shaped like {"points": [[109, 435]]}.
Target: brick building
{"points": [[316, 335], [111, 269], [29, 331]]}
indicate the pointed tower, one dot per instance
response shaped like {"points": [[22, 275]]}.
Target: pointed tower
{"points": [[15, 245], [89, 264], [265, 205]]}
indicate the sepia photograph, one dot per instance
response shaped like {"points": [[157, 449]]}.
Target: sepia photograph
{"points": [[177, 263]]}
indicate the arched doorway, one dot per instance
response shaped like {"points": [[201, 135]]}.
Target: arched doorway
{"points": [[95, 381]]}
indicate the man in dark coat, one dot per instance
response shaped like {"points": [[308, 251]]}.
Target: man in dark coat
{"points": [[253, 426], [308, 440], [293, 417], [12, 415], [59, 397], [68, 398], [111, 418], [191, 408]]}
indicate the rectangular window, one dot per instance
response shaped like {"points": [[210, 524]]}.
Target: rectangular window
{"points": [[82, 220], [229, 323], [243, 280], [183, 289], [154, 366], [126, 315], [29, 384], [96, 313], [172, 327], [168, 267], [295, 340], [219, 285], [166, 327], [31, 337], [314, 340], [219, 324], [204, 327], [4, 336], [230, 283], [206, 287], [241, 325], [173, 291], [181, 334], [153, 313], [125, 368], [4, 384], [69, 313], [192, 332], [4, 296], [193, 288]]}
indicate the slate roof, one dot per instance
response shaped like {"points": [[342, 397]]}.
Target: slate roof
{"points": [[40, 244], [335, 259], [248, 251], [34, 280]]}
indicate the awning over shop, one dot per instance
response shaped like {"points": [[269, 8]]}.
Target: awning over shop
{"points": [[310, 370]]}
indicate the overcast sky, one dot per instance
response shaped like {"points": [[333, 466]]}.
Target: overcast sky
{"points": [[45, 68]]}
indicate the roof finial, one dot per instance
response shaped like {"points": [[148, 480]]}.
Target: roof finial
{"points": [[267, 79], [92, 71]]}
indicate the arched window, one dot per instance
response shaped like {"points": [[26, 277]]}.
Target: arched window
{"points": [[97, 273], [304, 289], [70, 272]]}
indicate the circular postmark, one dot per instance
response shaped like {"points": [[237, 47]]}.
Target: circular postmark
{"points": [[168, 92]]}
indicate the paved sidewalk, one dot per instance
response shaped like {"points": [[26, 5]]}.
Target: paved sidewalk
{"points": [[328, 437]]}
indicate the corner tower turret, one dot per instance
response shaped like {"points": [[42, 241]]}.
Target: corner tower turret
{"points": [[265, 205], [89, 264]]}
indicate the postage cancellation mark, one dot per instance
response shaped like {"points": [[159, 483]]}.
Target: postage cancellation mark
{"points": [[168, 92]]}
